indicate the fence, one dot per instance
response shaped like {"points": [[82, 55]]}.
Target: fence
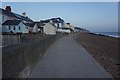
{"points": [[12, 39]]}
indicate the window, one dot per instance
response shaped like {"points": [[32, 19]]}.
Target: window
{"points": [[13, 27], [9, 27], [3, 18], [19, 27]]}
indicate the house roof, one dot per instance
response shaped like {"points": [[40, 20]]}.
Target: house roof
{"points": [[79, 28], [30, 24], [11, 14], [5, 12], [55, 20], [45, 21], [12, 22], [39, 24]]}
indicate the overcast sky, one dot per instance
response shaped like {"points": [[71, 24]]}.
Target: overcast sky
{"points": [[94, 16]]}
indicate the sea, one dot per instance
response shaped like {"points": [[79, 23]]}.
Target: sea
{"points": [[112, 34]]}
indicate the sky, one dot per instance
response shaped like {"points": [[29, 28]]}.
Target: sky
{"points": [[93, 16]]}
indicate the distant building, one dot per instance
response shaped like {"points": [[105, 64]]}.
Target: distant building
{"points": [[78, 29], [49, 29], [68, 25], [58, 22], [39, 26], [30, 27], [14, 26], [64, 30], [35, 27]]}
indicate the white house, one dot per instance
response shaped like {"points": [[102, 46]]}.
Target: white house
{"points": [[58, 22], [49, 28], [78, 29], [68, 25], [35, 28], [14, 26], [7, 14], [64, 30]]}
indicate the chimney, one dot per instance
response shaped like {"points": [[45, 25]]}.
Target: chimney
{"points": [[24, 14], [8, 8]]}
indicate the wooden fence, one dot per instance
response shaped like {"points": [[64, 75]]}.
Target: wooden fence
{"points": [[12, 39]]}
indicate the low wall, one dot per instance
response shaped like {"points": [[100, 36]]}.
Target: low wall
{"points": [[18, 60]]}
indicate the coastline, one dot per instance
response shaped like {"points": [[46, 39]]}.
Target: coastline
{"points": [[108, 34], [103, 48]]}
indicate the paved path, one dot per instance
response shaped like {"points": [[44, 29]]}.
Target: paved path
{"points": [[67, 59]]}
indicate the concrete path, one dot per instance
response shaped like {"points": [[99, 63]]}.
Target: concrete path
{"points": [[67, 59]]}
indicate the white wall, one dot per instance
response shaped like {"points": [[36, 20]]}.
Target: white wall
{"points": [[23, 28], [5, 28], [69, 26], [35, 28], [60, 25], [49, 29], [1, 19], [66, 25], [6, 18], [72, 27]]}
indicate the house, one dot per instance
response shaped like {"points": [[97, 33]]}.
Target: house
{"points": [[58, 22], [7, 14], [39, 26], [64, 30], [49, 29], [35, 27], [14, 26], [30, 27], [78, 29], [50, 26], [68, 25]]}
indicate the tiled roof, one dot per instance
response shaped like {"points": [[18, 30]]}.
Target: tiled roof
{"points": [[11, 22]]}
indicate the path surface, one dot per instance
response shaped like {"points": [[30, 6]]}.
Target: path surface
{"points": [[67, 59]]}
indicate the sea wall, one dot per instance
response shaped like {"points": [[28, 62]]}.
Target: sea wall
{"points": [[18, 60]]}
